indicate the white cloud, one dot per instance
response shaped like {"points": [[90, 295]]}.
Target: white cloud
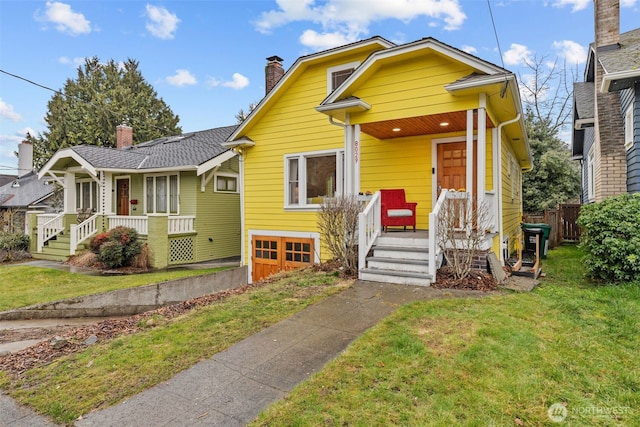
{"points": [[76, 62], [517, 54], [573, 52], [627, 3], [162, 23], [347, 21], [324, 41], [576, 5], [182, 78], [238, 82], [6, 111], [213, 82], [65, 19], [469, 49]]}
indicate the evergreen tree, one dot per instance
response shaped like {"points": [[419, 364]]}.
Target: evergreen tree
{"points": [[103, 96], [555, 178]]}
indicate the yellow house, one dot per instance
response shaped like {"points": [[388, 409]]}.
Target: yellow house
{"points": [[371, 115]]}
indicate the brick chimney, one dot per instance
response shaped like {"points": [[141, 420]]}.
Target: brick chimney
{"points": [[610, 155], [607, 22], [273, 72], [124, 136]]}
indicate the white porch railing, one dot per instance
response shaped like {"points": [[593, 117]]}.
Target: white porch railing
{"points": [[369, 225], [175, 224], [81, 232], [138, 223], [181, 224], [434, 249], [49, 226]]}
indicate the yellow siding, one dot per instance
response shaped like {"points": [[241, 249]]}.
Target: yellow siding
{"points": [[410, 89], [399, 163], [511, 197]]}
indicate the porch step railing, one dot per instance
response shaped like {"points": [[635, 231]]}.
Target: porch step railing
{"points": [[369, 225], [434, 249], [49, 226], [81, 232]]}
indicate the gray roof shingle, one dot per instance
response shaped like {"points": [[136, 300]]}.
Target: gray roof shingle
{"points": [[190, 149], [583, 94], [623, 59], [31, 190]]}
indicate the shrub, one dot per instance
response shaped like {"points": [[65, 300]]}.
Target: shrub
{"points": [[611, 238], [117, 247], [97, 242], [14, 242], [338, 223]]}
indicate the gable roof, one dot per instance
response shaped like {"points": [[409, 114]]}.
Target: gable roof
{"points": [[187, 151], [31, 190], [297, 67]]}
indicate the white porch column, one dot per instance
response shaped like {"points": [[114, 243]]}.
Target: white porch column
{"points": [[470, 157], [69, 192], [348, 159], [106, 193], [482, 148], [357, 151]]}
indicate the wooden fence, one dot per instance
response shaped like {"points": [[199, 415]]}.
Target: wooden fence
{"points": [[562, 221]]}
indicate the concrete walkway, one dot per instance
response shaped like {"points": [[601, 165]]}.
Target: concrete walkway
{"points": [[234, 386]]}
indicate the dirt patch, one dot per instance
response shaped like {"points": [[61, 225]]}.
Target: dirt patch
{"points": [[476, 281]]}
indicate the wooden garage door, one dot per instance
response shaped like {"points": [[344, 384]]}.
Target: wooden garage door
{"points": [[272, 254]]}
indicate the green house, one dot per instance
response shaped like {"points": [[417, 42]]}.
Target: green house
{"points": [[181, 193]]}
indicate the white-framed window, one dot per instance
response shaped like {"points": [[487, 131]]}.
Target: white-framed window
{"points": [[226, 183], [87, 194], [338, 74], [162, 194], [628, 128], [312, 177], [591, 174]]}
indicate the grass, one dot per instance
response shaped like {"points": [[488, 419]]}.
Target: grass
{"points": [[109, 372], [495, 361], [26, 285]]}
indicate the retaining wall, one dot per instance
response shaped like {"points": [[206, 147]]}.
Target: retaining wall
{"points": [[126, 302]]}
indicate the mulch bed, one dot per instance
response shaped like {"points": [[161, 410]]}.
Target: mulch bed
{"points": [[477, 281]]}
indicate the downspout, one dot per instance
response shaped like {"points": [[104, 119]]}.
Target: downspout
{"points": [[500, 224], [242, 221]]}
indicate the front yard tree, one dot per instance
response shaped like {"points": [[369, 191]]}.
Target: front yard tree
{"points": [[101, 97]]}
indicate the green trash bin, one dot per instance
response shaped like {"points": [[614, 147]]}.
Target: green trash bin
{"points": [[546, 232]]}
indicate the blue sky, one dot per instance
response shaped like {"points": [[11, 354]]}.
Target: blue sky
{"points": [[206, 58]]}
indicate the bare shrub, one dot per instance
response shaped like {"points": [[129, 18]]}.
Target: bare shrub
{"points": [[462, 227], [143, 259], [338, 223]]}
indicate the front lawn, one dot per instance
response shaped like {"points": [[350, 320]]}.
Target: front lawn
{"points": [[110, 371], [24, 285], [569, 345]]}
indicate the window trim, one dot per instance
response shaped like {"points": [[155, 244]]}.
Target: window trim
{"points": [[168, 194], [92, 197], [591, 174], [225, 175], [628, 128], [302, 178], [337, 68]]}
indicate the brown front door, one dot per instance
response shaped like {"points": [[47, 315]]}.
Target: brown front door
{"points": [[271, 254], [452, 166], [122, 197]]}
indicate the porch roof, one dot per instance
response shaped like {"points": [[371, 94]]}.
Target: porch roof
{"points": [[186, 151]]}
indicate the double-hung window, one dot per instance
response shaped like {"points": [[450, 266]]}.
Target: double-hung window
{"points": [[226, 184], [162, 194], [87, 195], [312, 177]]}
